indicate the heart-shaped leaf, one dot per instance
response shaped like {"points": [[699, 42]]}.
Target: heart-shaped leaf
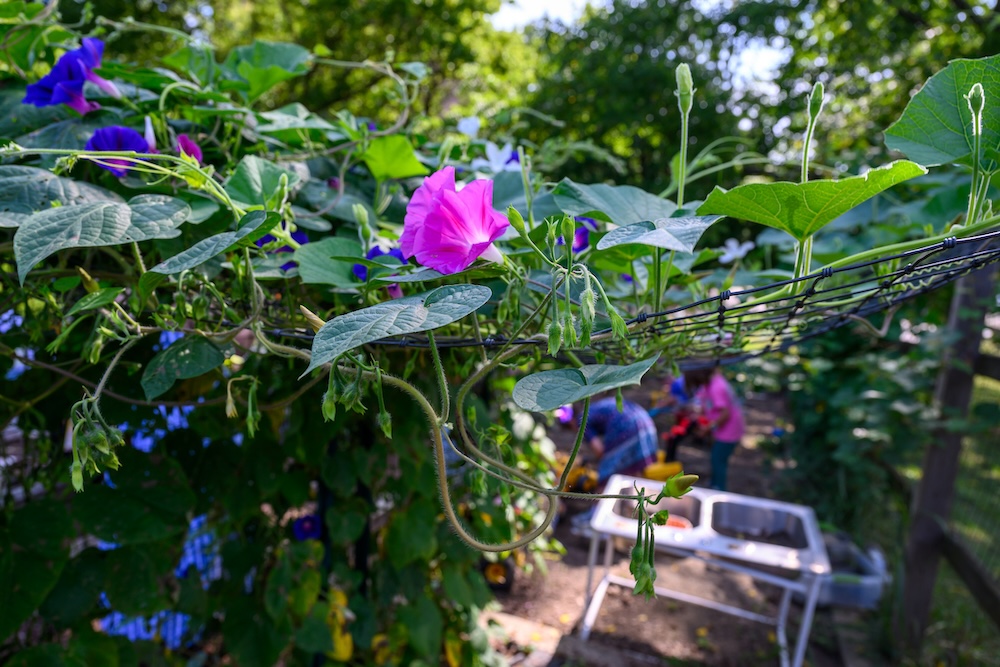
{"points": [[620, 204], [189, 357], [411, 314], [317, 265], [802, 209], [252, 223], [255, 181], [25, 191], [98, 224], [548, 390], [936, 126], [264, 64], [679, 234], [392, 157]]}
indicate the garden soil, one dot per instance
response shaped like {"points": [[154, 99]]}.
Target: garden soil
{"points": [[668, 631]]}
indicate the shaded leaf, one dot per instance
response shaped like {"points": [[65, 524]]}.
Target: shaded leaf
{"points": [[620, 204], [548, 390], [681, 234], [187, 358], [253, 225], [411, 314], [27, 190], [255, 181], [95, 300], [317, 265]]}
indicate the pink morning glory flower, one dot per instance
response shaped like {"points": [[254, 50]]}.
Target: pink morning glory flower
{"points": [[449, 230], [64, 84], [187, 146], [117, 138]]}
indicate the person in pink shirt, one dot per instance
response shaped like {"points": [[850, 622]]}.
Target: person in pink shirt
{"points": [[718, 403]]}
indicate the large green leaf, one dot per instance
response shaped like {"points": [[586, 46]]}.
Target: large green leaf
{"points": [[411, 314], [317, 266], [187, 358], [253, 224], [28, 190], [802, 209], [98, 224], [548, 390], [679, 234], [264, 64], [94, 300], [422, 620], [17, 118], [255, 182], [620, 204], [392, 157], [936, 126], [70, 134]]}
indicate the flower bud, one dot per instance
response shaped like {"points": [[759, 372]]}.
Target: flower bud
{"points": [[516, 220], [618, 325], [660, 518], [89, 283], [568, 230], [588, 308], [76, 476], [384, 421], [555, 337], [364, 229], [569, 331], [816, 100], [976, 100], [315, 323], [685, 88], [679, 484]]}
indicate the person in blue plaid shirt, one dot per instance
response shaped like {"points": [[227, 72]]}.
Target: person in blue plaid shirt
{"points": [[625, 442]]}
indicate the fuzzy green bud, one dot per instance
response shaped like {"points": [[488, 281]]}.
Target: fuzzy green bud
{"points": [[976, 100], [89, 283], [685, 88], [555, 337], [76, 476], [384, 421], [588, 304], [569, 331], [660, 518], [618, 325], [552, 233], [364, 229], [817, 99], [516, 220]]}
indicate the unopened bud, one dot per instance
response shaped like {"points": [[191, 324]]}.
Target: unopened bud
{"points": [[312, 318], [384, 421], [588, 301], [977, 103], [89, 283], [555, 337], [817, 99], [680, 484], [618, 325], [569, 331], [568, 230], [76, 476], [660, 518], [516, 221], [685, 88]]}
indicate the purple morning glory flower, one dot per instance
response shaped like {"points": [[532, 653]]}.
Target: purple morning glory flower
{"points": [[187, 146], [307, 528], [298, 236], [627, 278], [64, 84], [117, 138], [361, 271], [564, 414]]}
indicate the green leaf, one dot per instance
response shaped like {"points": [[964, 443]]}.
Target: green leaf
{"points": [[26, 577], [78, 589], [187, 358], [548, 390], [346, 521], [392, 157], [424, 626], [264, 64], [17, 118], [253, 225], [411, 314], [194, 61], [936, 126], [255, 181], [95, 300], [132, 586], [27, 190], [620, 204], [802, 209], [314, 634], [98, 224], [681, 234], [412, 534], [317, 266]]}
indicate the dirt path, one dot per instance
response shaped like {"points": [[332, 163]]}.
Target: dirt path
{"points": [[663, 628]]}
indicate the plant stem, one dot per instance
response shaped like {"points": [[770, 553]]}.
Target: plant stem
{"points": [[441, 377]]}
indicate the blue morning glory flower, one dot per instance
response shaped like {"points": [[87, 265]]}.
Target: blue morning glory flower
{"points": [[299, 236], [361, 271], [307, 528], [64, 84], [117, 138]]}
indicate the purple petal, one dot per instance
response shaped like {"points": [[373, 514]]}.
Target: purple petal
{"points": [[187, 146], [117, 138]]}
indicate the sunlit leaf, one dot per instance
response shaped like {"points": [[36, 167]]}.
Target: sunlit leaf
{"points": [[681, 234], [620, 204]]}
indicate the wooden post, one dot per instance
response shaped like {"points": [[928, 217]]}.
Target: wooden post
{"points": [[936, 491]]}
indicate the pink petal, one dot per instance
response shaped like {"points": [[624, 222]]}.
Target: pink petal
{"points": [[488, 224], [424, 200]]}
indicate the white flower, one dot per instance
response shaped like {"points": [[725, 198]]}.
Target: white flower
{"points": [[469, 126], [734, 250], [497, 159]]}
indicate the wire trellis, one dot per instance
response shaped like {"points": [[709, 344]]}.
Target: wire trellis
{"points": [[739, 324]]}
